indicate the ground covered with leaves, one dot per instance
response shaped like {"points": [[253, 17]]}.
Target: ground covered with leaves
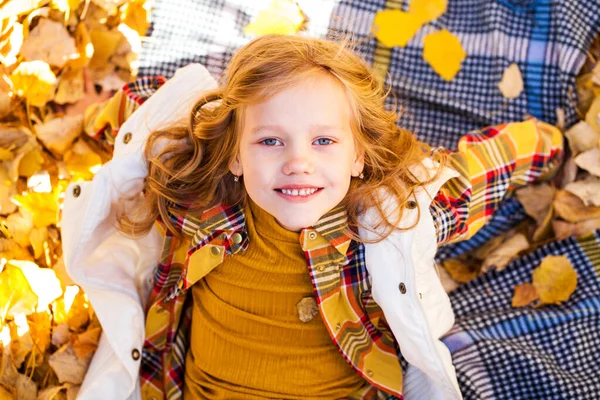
{"points": [[60, 56]]}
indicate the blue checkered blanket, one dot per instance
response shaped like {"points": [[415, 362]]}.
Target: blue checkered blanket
{"points": [[552, 352]]}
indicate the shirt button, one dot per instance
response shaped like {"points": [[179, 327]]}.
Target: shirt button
{"points": [[215, 251], [135, 354], [338, 326], [321, 268], [76, 191], [127, 137], [369, 372], [402, 287], [411, 204], [312, 235], [237, 238]]}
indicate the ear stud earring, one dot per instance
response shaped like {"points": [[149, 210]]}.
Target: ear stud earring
{"points": [[236, 178]]}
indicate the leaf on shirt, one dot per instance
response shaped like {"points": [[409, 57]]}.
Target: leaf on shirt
{"points": [[590, 161], [511, 84], [582, 137], [395, 27], [460, 271], [443, 51], [572, 209], [524, 295], [537, 200], [555, 280], [58, 134], [505, 253], [428, 10], [282, 17], [35, 81]]}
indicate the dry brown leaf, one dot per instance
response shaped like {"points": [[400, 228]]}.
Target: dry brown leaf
{"points": [[52, 393], [525, 294], [448, 283], [61, 272], [588, 190], [543, 229], [25, 388], [29, 163], [511, 84], [21, 342], [481, 252], [70, 87], [591, 117], [9, 374], [11, 250], [68, 366], [5, 394], [571, 208], [537, 200], [503, 254], [590, 161], [85, 48], [58, 134], [582, 137], [86, 343], [563, 230], [19, 226], [459, 271], [567, 173], [7, 190], [49, 41], [555, 280], [60, 334], [13, 136], [72, 392]]}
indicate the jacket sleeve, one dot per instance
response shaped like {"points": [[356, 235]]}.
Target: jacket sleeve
{"points": [[102, 121], [492, 163], [115, 271]]}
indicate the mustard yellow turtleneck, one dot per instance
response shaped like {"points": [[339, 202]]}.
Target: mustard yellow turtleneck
{"points": [[247, 341]]}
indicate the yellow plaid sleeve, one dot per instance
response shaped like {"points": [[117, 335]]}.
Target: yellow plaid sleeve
{"points": [[492, 163]]}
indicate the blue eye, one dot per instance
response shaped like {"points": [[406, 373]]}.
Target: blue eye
{"points": [[323, 141], [270, 142]]}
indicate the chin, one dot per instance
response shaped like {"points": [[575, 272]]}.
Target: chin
{"points": [[296, 225]]}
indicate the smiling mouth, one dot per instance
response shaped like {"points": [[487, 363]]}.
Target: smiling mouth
{"points": [[299, 192]]}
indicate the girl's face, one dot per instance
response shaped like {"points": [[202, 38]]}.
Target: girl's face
{"points": [[297, 152]]}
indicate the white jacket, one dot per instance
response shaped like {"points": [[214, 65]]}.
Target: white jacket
{"points": [[116, 271]]}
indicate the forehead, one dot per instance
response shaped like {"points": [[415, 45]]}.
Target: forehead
{"points": [[321, 100]]}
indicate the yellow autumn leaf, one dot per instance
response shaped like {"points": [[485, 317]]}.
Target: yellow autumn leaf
{"points": [[525, 294], [282, 16], [82, 166], [35, 81], [555, 280], [5, 154], [395, 27], [105, 43], [137, 16], [85, 48], [443, 51], [428, 10], [16, 295], [461, 272], [31, 163], [43, 206]]}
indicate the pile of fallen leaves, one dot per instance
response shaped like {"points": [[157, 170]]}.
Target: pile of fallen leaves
{"points": [[567, 206], [57, 57]]}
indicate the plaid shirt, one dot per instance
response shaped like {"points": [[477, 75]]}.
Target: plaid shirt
{"points": [[491, 162]]}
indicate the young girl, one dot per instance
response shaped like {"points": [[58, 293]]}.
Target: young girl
{"points": [[282, 236]]}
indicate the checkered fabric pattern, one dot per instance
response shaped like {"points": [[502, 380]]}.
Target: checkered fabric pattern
{"points": [[547, 39], [550, 352]]}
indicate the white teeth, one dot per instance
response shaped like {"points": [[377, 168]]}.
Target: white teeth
{"points": [[296, 192]]}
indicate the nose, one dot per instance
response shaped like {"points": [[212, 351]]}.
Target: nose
{"points": [[298, 162]]}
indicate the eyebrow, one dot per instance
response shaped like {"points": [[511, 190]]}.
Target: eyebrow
{"points": [[279, 128]]}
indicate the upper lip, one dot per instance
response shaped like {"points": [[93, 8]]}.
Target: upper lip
{"points": [[292, 187]]}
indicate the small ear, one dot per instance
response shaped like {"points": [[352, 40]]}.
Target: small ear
{"points": [[236, 166], [359, 164]]}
